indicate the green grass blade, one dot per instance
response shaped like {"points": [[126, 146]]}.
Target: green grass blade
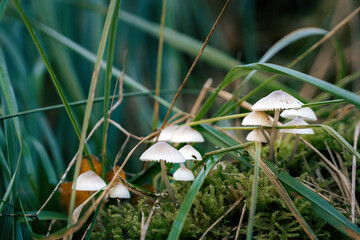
{"points": [[89, 104], [295, 188], [108, 75], [9, 99], [189, 199], [49, 68]]}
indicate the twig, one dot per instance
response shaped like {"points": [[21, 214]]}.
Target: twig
{"points": [[144, 227], [240, 222], [219, 219], [194, 63], [201, 96]]}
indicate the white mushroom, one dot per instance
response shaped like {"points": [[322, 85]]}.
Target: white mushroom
{"points": [[183, 174], [167, 133], [186, 134], [89, 181], [190, 153], [162, 151], [305, 113], [257, 118], [119, 191], [256, 136]]}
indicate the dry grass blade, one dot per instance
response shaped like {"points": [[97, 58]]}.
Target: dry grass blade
{"points": [[219, 219], [240, 222], [201, 96], [353, 174], [194, 63]]}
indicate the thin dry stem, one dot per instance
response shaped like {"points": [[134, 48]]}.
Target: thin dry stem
{"points": [[240, 222], [194, 63], [201, 97], [144, 227], [353, 173], [219, 219]]}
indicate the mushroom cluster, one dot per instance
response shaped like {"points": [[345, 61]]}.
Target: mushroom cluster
{"points": [[165, 153]]}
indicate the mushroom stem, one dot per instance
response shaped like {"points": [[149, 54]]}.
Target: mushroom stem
{"points": [[166, 180], [297, 138], [254, 192], [273, 134], [266, 136]]}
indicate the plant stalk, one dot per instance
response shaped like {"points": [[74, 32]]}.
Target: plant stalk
{"points": [[297, 138], [254, 191], [166, 180], [273, 134]]}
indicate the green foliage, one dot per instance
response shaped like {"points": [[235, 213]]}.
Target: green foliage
{"points": [[219, 191]]}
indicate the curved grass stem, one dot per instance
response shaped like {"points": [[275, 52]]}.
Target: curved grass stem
{"points": [[254, 191]]}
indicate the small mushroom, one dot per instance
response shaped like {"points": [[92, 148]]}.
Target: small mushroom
{"points": [[186, 134], [119, 191], [163, 152], [89, 181], [305, 113], [190, 153], [167, 133], [296, 122], [276, 101], [183, 174]]}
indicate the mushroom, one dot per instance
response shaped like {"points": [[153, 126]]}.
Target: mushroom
{"points": [[186, 134], [190, 153], [276, 101], [119, 191], [305, 113], [296, 122], [167, 133], [258, 118], [183, 174], [89, 181], [163, 152]]}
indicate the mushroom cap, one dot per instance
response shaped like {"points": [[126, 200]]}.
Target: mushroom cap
{"points": [[305, 113], [190, 153], [167, 133], [89, 181], [186, 134], [183, 174], [162, 151], [256, 136], [297, 121], [119, 191], [277, 100], [257, 118]]}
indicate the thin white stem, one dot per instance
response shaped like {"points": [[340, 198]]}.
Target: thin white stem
{"points": [[273, 134], [166, 180]]}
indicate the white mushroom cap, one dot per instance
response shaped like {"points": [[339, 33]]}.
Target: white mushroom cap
{"points": [[162, 151], [256, 136], [297, 121], [89, 181], [305, 113], [186, 134], [256, 118], [277, 100], [183, 174], [190, 153], [167, 133], [119, 191]]}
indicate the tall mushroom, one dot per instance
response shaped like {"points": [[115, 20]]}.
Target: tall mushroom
{"points": [[296, 122], [276, 101], [163, 152]]}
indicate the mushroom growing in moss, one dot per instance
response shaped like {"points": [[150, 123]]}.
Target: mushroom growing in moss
{"points": [[163, 152], [183, 174], [276, 101]]}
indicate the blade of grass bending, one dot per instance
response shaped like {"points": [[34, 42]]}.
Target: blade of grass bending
{"points": [[9, 101], [254, 190], [49, 68], [295, 188], [89, 104], [189, 199], [277, 47], [108, 75], [158, 65]]}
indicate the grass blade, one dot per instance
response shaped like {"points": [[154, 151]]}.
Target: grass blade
{"points": [[189, 199]]}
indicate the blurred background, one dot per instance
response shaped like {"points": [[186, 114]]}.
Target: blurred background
{"points": [[246, 31]]}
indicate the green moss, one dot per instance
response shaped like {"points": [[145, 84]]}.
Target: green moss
{"points": [[219, 191]]}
